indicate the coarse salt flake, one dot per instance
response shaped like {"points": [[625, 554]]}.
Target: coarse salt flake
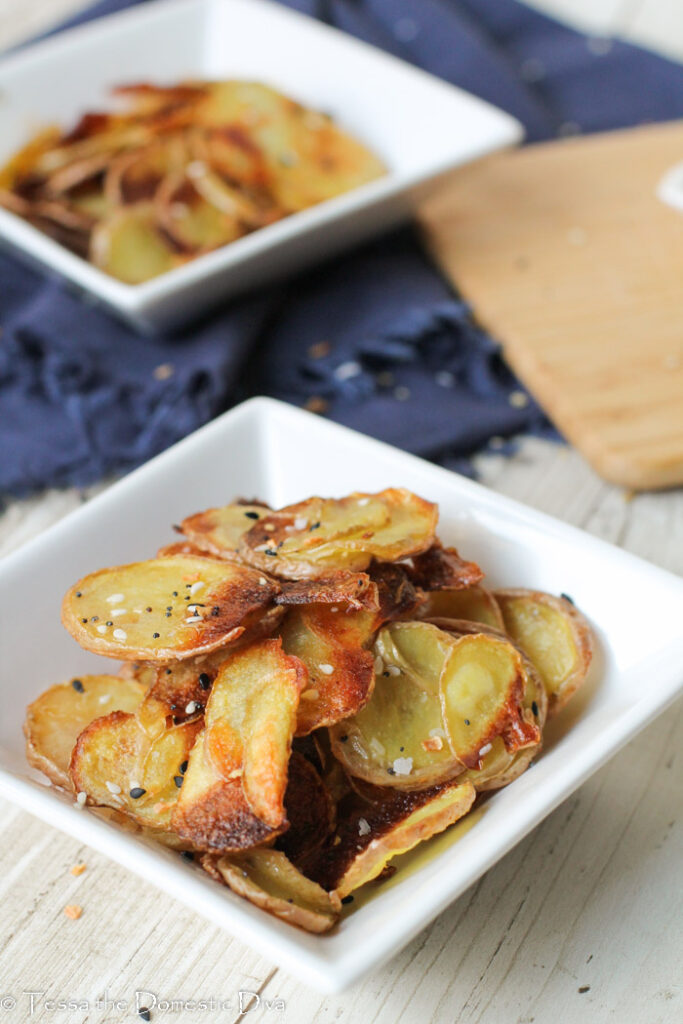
{"points": [[80, 799], [197, 586], [326, 669], [191, 707], [102, 629], [403, 765], [194, 618], [117, 611], [363, 827], [113, 787], [104, 699], [119, 634], [393, 670], [115, 599], [363, 501], [485, 749], [300, 523]]}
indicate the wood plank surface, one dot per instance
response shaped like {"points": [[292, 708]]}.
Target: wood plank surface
{"points": [[579, 924], [571, 261]]}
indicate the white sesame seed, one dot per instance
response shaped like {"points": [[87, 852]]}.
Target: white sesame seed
{"points": [[393, 670], [403, 765], [263, 582], [326, 669], [80, 800], [102, 629], [105, 698], [300, 523], [191, 707], [363, 501], [115, 599], [113, 787], [334, 608], [194, 618], [119, 634], [485, 749], [197, 586], [117, 611], [363, 827]]}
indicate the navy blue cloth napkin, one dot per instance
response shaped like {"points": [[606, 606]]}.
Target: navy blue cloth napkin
{"points": [[375, 339]]}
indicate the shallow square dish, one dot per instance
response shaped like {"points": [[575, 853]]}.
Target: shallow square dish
{"points": [[256, 449], [420, 126]]}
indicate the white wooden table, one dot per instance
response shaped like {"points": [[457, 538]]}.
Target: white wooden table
{"points": [[581, 922]]}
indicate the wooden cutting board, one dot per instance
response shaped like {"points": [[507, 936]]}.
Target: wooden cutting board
{"points": [[571, 261]]}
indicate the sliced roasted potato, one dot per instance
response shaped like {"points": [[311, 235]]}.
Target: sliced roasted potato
{"points": [[373, 833], [309, 810], [129, 245], [117, 764], [167, 608], [267, 879], [55, 719], [250, 721], [135, 176], [398, 739], [308, 539], [219, 530], [556, 637], [340, 671], [212, 812], [476, 604], [441, 568], [194, 224]]}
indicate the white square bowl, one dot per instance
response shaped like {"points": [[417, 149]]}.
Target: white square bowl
{"points": [[267, 449], [420, 126]]}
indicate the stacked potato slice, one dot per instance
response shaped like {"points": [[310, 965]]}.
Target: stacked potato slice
{"points": [[179, 171], [305, 693]]}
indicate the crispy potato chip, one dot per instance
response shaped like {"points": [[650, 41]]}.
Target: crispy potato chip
{"points": [[340, 671], [398, 739], [165, 609], [219, 530], [267, 879], [129, 245], [308, 539], [476, 604], [119, 765], [556, 637], [250, 721], [212, 813], [309, 810], [441, 568], [372, 834], [56, 718], [499, 767]]}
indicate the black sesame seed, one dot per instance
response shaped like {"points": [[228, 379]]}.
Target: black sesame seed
{"points": [[178, 779], [84, 620], [168, 615], [155, 636], [270, 551], [571, 601], [144, 1013], [137, 792], [343, 739], [252, 515], [169, 607], [216, 610], [187, 598], [204, 681], [401, 749], [95, 618], [168, 671], [79, 594], [77, 685], [467, 721], [187, 855], [534, 708], [148, 609], [385, 674], [390, 771], [315, 526], [347, 899], [173, 707], [175, 593], [183, 767], [109, 623], [289, 899], [187, 586]]}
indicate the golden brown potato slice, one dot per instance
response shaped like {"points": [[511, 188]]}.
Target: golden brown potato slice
{"points": [[250, 722], [129, 245], [373, 833], [340, 671], [556, 637], [441, 568], [267, 879], [476, 604], [482, 689], [193, 223], [212, 813], [354, 590], [119, 765], [398, 739], [309, 810], [219, 530], [231, 152], [55, 719], [181, 547], [308, 539], [135, 176], [165, 609]]}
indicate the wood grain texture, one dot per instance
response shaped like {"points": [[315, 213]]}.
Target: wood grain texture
{"points": [[591, 899], [571, 261]]}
